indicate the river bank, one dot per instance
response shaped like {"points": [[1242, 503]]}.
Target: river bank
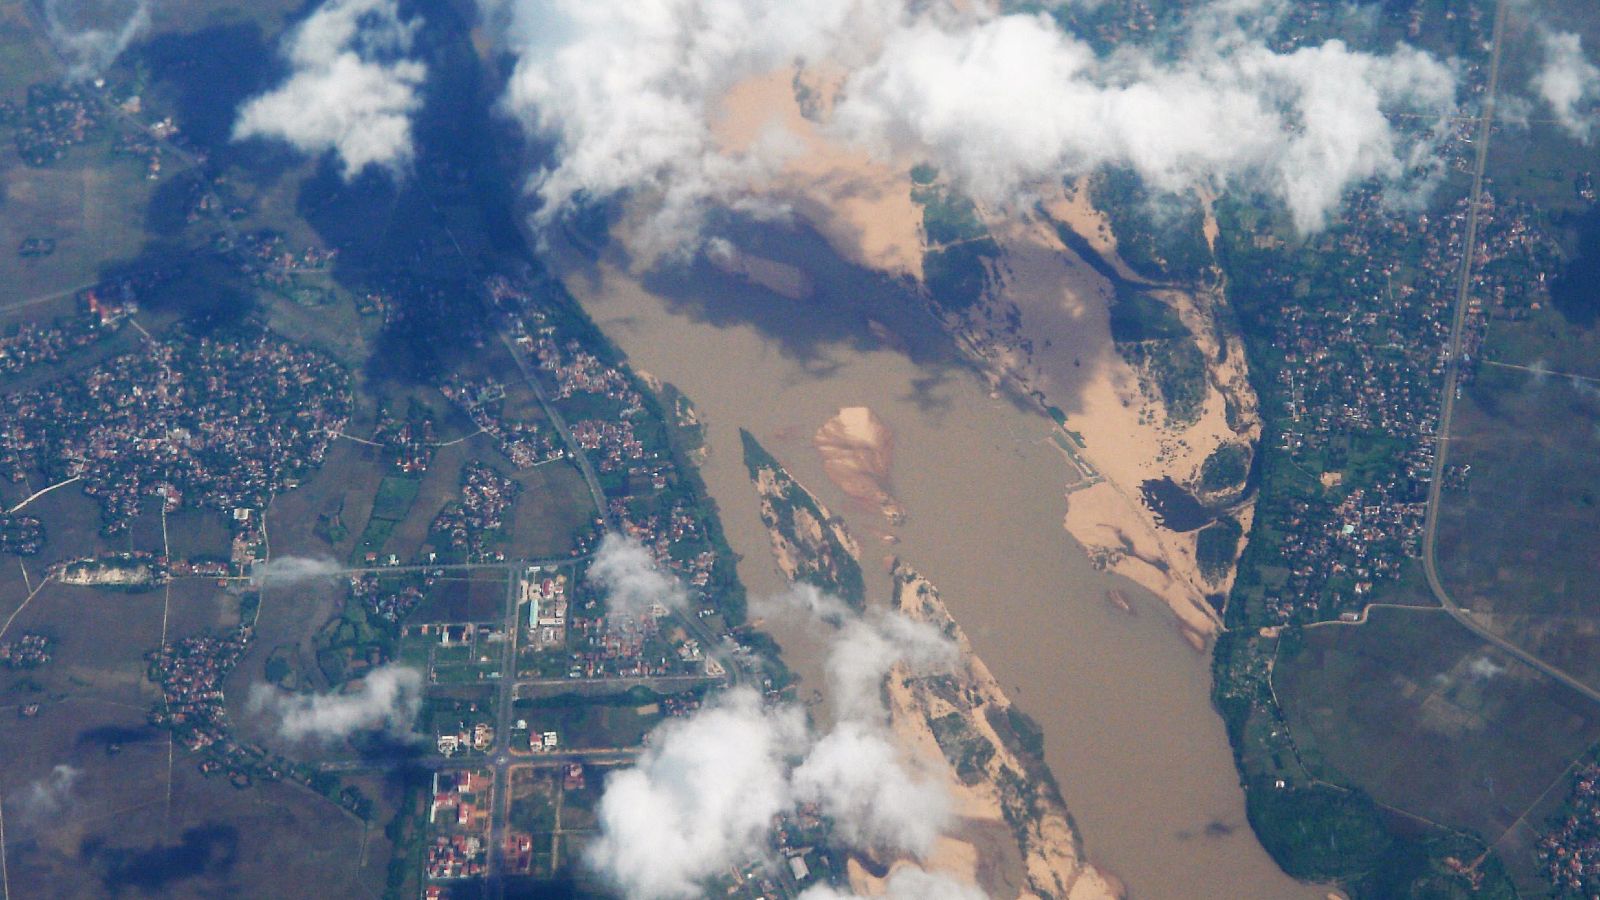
{"points": [[1044, 332], [967, 714], [1130, 734]]}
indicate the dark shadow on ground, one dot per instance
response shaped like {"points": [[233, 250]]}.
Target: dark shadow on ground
{"points": [[1576, 291], [209, 850]]}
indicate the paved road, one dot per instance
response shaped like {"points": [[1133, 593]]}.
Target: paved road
{"points": [[575, 451], [667, 682], [439, 763], [500, 806], [1452, 381]]}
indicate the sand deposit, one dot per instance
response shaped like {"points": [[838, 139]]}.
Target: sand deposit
{"points": [[857, 452]]}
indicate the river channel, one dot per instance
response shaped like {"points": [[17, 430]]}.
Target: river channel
{"points": [[1141, 757]]}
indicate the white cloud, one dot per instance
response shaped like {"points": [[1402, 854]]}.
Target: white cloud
{"points": [[857, 776], [352, 90], [49, 796], [631, 580], [863, 647], [700, 799], [627, 90], [387, 699], [1483, 668], [287, 570], [1569, 83], [92, 35], [704, 795], [1015, 101]]}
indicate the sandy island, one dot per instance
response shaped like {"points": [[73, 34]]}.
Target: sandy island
{"points": [[857, 451], [1118, 433], [1011, 791], [1013, 836]]}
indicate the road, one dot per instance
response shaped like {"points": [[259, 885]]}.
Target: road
{"points": [[40, 493], [1452, 381], [439, 763], [709, 642], [575, 451], [505, 705], [662, 683]]}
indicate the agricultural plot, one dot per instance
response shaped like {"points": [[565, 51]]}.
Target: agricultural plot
{"points": [[1420, 714]]}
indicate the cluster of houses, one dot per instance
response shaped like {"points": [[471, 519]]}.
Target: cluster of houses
{"points": [[544, 594], [479, 737], [458, 817], [190, 673], [27, 652], [214, 423], [1357, 388], [407, 443], [526, 444], [56, 117], [1570, 849], [21, 535], [40, 344], [471, 525]]}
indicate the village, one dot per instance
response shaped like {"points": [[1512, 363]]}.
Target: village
{"points": [[1354, 387], [214, 423]]}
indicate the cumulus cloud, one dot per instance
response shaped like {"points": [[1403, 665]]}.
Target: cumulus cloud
{"points": [[1569, 83], [287, 570], [700, 799], [863, 647], [1483, 668], [857, 777], [627, 91], [632, 582], [1014, 100], [50, 795], [387, 699], [91, 35], [907, 883], [353, 89], [704, 795]]}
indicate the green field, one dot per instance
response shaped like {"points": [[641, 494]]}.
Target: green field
{"points": [[1416, 712], [1516, 543], [594, 721]]}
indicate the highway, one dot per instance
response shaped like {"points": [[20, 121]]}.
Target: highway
{"points": [[437, 762], [500, 805], [573, 450], [1452, 381]]}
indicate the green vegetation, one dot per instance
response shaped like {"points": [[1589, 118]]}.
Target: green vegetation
{"points": [[819, 554], [390, 507], [1151, 336], [1140, 316], [395, 495], [279, 670], [1226, 468], [590, 721], [958, 276], [1019, 731], [1517, 532], [1217, 546], [1161, 238], [1175, 370], [959, 248], [350, 644], [968, 751]]}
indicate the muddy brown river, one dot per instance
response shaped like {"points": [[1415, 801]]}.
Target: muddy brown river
{"points": [[1131, 736]]}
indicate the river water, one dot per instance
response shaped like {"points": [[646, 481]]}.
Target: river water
{"points": [[1141, 757]]}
